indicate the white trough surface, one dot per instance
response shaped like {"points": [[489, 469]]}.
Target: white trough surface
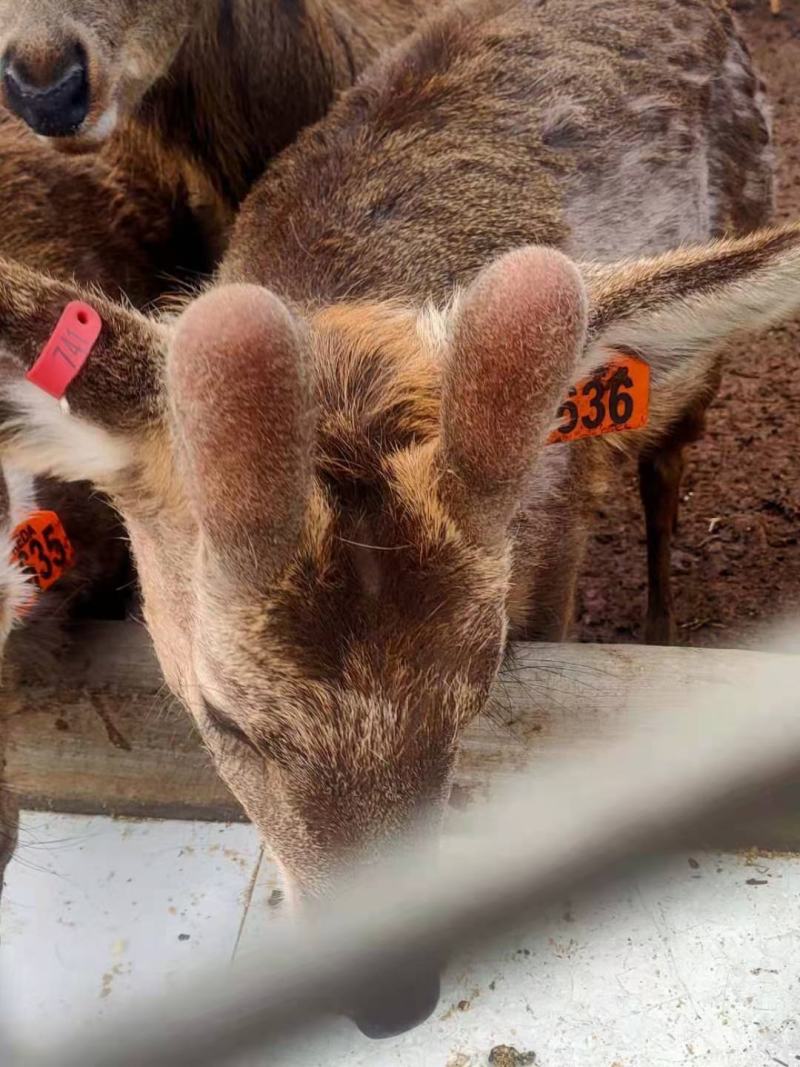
{"points": [[697, 965]]}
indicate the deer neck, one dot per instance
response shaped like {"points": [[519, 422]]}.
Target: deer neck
{"points": [[252, 73]]}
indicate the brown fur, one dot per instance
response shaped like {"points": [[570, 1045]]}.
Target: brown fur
{"points": [[338, 496], [85, 219], [206, 92]]}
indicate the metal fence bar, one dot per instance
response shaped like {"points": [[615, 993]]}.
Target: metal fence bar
{"points": [[573, 824]]}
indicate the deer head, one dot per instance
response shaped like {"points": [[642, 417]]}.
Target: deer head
{"points": [[322, 506], [72, 68]]}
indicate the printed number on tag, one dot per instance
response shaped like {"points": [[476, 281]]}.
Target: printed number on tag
{"points": [[68, 348], [615, 398], [42, 548]]}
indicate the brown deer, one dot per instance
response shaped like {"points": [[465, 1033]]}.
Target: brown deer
{"points": [[123, 232], [189, 88], [332, 465]]}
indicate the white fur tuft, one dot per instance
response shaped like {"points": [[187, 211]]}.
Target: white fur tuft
{"points": [[435, 325], [47, 439], [21, 492], [102, 129]]}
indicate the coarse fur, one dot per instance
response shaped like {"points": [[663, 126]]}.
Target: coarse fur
{"points": [[332, 464]]}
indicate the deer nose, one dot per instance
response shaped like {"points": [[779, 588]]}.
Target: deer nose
{"points": [[53, 101], [398, 1003]]}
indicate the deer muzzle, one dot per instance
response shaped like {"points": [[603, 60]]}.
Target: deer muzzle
{"points": [[397, 1002], [49, 88]]}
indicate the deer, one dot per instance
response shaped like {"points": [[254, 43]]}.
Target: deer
{"points": [[120, 231], [333, 462], [81, 219]]}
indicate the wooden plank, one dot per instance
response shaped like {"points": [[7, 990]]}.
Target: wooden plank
{"points": [[108, 739]]}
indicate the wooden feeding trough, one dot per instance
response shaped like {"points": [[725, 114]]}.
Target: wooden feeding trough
{"points": [[102, 736]]}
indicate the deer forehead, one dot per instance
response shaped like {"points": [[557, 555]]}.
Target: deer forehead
{"points": [[352, 627]]}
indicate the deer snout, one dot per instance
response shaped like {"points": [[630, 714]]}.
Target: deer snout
{"points": [[49, 89], [399, 1001]]}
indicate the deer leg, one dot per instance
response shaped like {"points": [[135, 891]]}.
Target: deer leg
{"points": [[660, 476], [553, 612], [542, 606], [553, 609]]}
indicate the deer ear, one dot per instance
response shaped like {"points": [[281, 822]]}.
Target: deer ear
{"points": [[517, 338], [113, 402], [241, 397], [676, 311]]}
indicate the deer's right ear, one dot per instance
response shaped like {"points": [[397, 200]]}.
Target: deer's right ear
{"points": [[242, 402], [517, 338], [91, 432], [677, 310]]}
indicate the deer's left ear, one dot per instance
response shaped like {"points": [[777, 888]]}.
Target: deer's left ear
{"points": [[517, 338]]}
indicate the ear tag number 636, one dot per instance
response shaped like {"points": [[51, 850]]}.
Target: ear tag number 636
{"points": [[613, 399]]}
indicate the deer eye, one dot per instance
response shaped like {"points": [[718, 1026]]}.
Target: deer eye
{"points": [[223, 725]]}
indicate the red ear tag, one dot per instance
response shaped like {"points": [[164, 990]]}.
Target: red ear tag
{"points": [[43, 550], [69, 347]]}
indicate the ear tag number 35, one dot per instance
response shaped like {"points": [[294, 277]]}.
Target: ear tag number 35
{"points": [[613, 399], [42, 549]]}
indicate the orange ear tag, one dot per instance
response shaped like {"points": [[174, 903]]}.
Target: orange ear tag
{"points": [[613, 399], [43, 551]]}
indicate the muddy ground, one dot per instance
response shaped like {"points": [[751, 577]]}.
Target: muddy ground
{"points": [[737, 553]]}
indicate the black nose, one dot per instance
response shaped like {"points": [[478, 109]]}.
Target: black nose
{"points": [[396, 1003], [54, 105]]}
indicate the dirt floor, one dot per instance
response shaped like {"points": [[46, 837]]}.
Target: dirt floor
{"points": [[737, 553]]}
